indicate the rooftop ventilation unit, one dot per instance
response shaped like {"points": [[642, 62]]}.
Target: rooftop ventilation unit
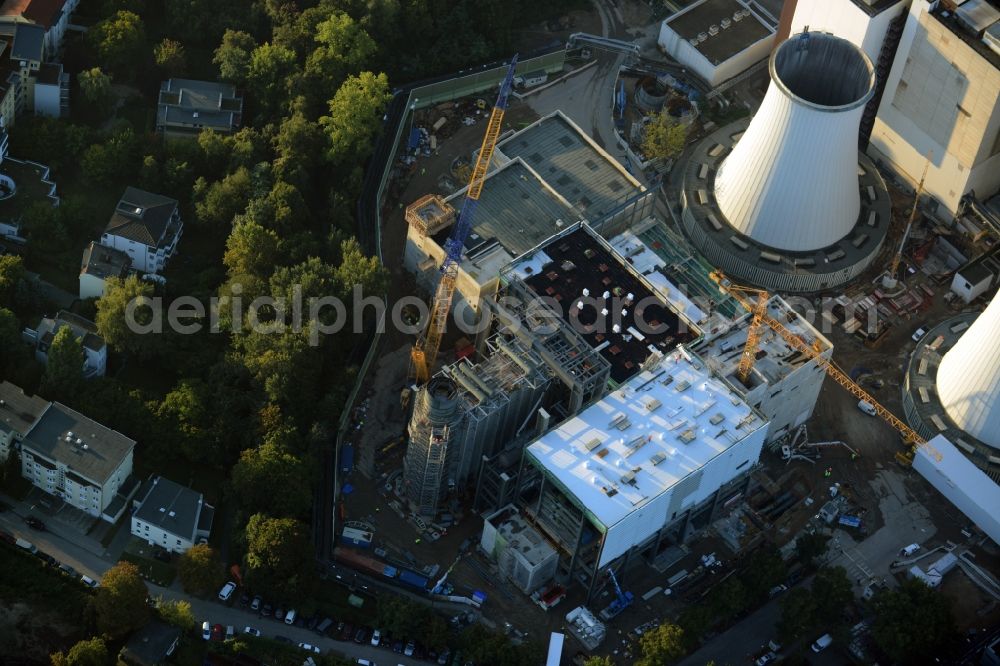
{"points": [[702, 37], [791, 181], [968, 378], [738, 16], [725, 23], [713, 30]]}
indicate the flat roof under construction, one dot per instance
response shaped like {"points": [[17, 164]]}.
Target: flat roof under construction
{"points": [[516, 210], [645, 438], [578, 267], [573, 165]]}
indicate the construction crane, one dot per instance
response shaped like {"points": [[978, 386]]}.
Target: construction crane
{"points": [[890, 280], [425, 351], [622, 600], [911, 437]]}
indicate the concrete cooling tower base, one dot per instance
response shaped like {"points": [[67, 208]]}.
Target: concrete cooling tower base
{"points": [[749, 261]]}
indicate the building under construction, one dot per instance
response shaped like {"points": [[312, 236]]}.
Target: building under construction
{"points": [[468, 411]]}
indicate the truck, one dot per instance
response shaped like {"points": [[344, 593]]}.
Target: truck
{"points": [[25, 544], [412, 579]]}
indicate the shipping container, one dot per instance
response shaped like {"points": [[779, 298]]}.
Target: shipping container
{"points": [[412, 579], [356, 560]]}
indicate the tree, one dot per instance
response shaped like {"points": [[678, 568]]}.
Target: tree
{"points": [[116, 159], [599, 661], [120, 602], [809, 547], [120, 40], [343, 47], [665, 137], [271, 478], [217, 204], [91, 652], [298, 143], [200, 569], [170, 57], [355, 116], [11, 277], [188, 407], [798, 612], [269, 76], [250, 250], [764, 570], [279, 556], [356, 268], [122, 314], [64, 368], [95, 86], [661, 645], [233, 56], [913, 623], [178, 613], [831, 590]]}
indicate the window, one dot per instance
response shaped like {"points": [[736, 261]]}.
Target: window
{"points": [[178, 542]]}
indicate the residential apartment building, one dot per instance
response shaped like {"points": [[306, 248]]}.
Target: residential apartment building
{"points": [[100, 263], [146, 227], [18, 412], [27, 82], [186, 107], [95, 350], [80, 461], [170, 515], [51, 16]]}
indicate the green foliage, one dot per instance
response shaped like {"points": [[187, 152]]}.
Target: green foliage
{"points": [[176, 612], [120, 602], [200, 570], [355, 116], [343, 47], [91, 652], [171, 57], [52, 141], [832, 592], [798, 610], [64, 368], [95, 86], [279, 556], [272, 479], [269, 77], [112, 162], [120, 41], [810, 547], [913, 623], [399, 616], [233, 56], [664, 137], [217, 204], [764, 570], [11, 277], [482, 646], [250, 249], [661, 645], [598, 661], [124, 312]]}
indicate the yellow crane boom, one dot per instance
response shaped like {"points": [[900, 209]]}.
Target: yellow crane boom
{"points": [[910, 436], [909, 223]]}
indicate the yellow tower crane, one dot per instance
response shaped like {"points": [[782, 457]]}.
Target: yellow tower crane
{"points": [[890, 278], [911, 437]]}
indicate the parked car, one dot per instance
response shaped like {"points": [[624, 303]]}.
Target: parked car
{"points": [[34, 523], [266, 610], [408, 650], [218, 632], [361, 635], [765, 659], [867, 407], [255, 604], [376, 637], [324, 627], [88, 581], [309, 648], [778, 589], [279, 613], [227, 591], [251, 631], [68, 570], [822, 643], [244, 599], [312, 622], [206, 630], [443, 657], [346, 631], [230, 632], [45, 557], [918, 334], [397, 647]]}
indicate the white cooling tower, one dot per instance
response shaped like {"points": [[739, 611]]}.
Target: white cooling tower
{"points": [[968, 379], [791, 182]]}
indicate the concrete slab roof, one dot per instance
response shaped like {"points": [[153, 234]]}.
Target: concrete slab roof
{"points": [[696, 20]]}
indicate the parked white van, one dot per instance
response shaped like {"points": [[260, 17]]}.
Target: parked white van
{"points": [[909, 550], [822, 643], [290, 617], [867, 407]]}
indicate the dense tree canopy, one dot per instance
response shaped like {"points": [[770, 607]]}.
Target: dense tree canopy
{"points": [[64, 369], [120, 40], [200, 570], [355, 115], [125, 313], [120, 601], [271, 479], [661, 646], [91, 652], [279, 556], [913, 623]]}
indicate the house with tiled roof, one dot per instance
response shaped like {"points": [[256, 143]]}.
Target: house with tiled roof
{"points": [[51, 15], [100, 263], [18, 413], [146, 227]]}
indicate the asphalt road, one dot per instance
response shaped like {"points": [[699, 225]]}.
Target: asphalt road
{"points": [[66, 549]]}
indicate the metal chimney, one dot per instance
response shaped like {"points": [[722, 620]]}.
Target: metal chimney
{"points": [[791, 181], [968, 379]]}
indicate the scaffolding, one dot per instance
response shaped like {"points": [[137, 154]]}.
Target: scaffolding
{"points": [[436, 418], [429, 214]]}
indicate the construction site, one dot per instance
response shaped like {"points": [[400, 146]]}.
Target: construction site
{"points": [[611, 404]]}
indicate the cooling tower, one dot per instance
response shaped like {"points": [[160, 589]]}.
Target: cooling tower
{"points": [[968, 379], [791, 181]]}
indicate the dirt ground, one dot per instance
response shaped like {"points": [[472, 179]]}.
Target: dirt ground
{"points": [[29, 634]]}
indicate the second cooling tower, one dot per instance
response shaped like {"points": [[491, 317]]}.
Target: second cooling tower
{"points": [[785, 201]]}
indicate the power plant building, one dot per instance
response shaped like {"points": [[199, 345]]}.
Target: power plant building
{"points": [[785, 201], [543, 179], [718, 39], [640, 468]]}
